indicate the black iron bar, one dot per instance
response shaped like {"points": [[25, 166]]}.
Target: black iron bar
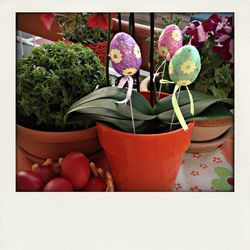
{"points": [[120, 22]]}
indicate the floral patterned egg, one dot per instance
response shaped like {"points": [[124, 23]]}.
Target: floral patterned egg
{"points": [[185, 65], [170, 41], [125, 54]]}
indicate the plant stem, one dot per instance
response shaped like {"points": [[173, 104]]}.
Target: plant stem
{"points": [[108, 45]]}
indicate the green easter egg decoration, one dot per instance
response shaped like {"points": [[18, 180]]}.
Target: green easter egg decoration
{"points": [[185, 65], [183, 69]]}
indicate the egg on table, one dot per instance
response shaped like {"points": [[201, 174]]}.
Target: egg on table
{"points": [[125, 54], [170, 41]]}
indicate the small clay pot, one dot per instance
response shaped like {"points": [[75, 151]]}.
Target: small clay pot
{"points": [[40, 145]]}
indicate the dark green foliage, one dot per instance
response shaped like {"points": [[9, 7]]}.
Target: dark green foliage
{"points": [[216, 76], [74, 28], [101, 106], [51, 79]]}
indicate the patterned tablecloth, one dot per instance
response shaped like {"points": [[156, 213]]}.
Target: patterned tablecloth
{"points": [[211, 171]]}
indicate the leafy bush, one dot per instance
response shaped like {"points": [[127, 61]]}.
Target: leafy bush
{"points": [[51, 79]]}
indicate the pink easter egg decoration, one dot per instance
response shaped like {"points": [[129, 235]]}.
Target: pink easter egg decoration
{"points": [[170, 41]]}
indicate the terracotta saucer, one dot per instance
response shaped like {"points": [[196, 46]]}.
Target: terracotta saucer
{"points": [[201, 147]]}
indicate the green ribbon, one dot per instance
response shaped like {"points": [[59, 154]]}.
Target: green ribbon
{"points": [[175, 104], [163, 81], [177, 109], [191, 101]]}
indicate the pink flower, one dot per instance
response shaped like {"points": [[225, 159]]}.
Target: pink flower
{"points": [[199, 32], [221, 29], [224, 39], [203, 166], [197, 155], [217, 159], [177, 186], [195, 189], [47, 20], [195, 173]]}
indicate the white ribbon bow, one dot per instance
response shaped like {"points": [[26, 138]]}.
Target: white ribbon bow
{"points": [[121, 84]]}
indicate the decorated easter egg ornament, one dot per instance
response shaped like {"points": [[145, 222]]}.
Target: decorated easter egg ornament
{"points": [[184, 68], [125, 56], [169, 42]]}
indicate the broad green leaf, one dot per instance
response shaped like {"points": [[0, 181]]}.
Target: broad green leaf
{"points": [[199, 107], [165, 103], [138, 101], [100, 106], [217, 110], [123, 124]]}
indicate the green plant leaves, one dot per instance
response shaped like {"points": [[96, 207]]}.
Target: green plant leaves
{"points": [[215, 111], [101, 106], [74, 28], [116, 94], [165, 103]]}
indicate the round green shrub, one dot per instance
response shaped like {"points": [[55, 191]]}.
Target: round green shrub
{"points": [[51, 79]]}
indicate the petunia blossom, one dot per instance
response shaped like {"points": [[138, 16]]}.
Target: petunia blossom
{"points": [[224, 39], [47, 20], [221, 29], [200, 31], [100, 20]]}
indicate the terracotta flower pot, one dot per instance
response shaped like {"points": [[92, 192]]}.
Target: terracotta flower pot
{"points": [[144, 162], [40, 145]]}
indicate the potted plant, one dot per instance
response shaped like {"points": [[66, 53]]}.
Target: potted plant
{"points": [[214, 40], [144, 142], [48, 82], [89, 29]]}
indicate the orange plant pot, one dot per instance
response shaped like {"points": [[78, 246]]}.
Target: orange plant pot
{"points": [[40, 145], [144, 162]]}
